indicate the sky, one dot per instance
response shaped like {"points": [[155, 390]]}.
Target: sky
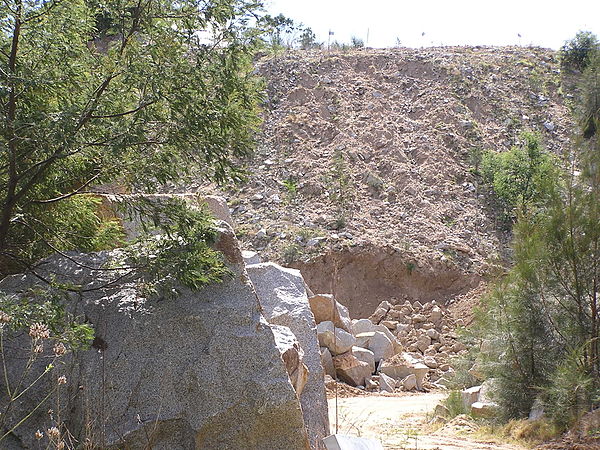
{"points": [[380, 23]]}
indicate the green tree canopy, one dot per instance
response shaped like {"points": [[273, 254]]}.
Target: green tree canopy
{"points": [[133, 92]]}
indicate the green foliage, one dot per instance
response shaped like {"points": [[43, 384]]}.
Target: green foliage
{"points": [[115, 92], [308, 40], [578, 52], [589, 111], [523, 177], [542, 318], [571, 391], [279, 30], [181, 254], [291, 253], [291, 186], [455, 405], [44, 307]]}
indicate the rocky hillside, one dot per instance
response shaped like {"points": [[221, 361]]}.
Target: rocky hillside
{"points": [[365, 177]]}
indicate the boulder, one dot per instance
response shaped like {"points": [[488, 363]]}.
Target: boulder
{"points": [[484, 409], [284, 301], [470, 396], [326, 308], [430, 362], [380, 312], [378, 343], [292, 356], [362, 326], [385, 330], [201, 370], [365, 355], [351, 370], [403, 365], [338, 343], [250, 257], [436, 314], [327, 362], [537, 409], [423, 342], [386, 383], [409, 383]]}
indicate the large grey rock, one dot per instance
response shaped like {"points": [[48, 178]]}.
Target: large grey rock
{"points": [[201, 370], [250, 257], [484, 409], [391, 337], [292, 356], [326, 308], [338, 343], [283, 298], [386, 383]]}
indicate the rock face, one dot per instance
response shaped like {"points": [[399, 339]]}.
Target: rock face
{"points": [[284, 302], [292, 355], [198, 371]]}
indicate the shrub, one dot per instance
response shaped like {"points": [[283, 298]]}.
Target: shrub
{"points": [[576, 53], [522, 177]]}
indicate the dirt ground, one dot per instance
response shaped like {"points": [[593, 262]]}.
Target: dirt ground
{"points": [[399, 422]]}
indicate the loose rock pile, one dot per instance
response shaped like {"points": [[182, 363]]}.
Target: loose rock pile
{"points": [[400, 347]]}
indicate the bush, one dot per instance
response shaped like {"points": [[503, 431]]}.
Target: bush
{"points": [[454, 404], [576, 53], [522, 177]]}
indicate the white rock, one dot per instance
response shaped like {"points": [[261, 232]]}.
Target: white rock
{"points": [[362, 326], [430, 362], [326, 308], [386, 383], [470, 396], [365, 355], [327, 362], [250, 257], [337, 344], [351, 370], [409, 383]]}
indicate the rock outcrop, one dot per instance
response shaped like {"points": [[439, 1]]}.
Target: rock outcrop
{"points": [[282, 295], [198, 371]]}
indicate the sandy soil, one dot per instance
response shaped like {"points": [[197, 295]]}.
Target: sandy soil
{"points": [[398, 422]]}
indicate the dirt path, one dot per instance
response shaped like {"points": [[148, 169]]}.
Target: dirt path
{"points": [[398, 423]]}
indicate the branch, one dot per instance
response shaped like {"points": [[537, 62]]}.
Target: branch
{"points": [[70, 194], [132, 111]]}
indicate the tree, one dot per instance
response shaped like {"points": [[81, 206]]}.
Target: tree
{"points": [[280, 30], [308, 40], [543, 318], [578, 52], [523, 177], [133, 92]]}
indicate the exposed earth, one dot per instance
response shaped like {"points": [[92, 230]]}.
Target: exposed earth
{"points": [[399, 421], [365, 176]]}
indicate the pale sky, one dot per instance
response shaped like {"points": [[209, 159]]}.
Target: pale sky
{"points": [[444, 22]]}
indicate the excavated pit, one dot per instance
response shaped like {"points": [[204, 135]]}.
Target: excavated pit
{"points": [[362, 278]]}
